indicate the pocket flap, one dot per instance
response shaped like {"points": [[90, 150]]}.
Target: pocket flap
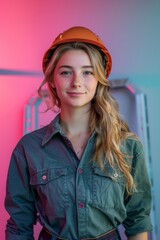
{"points": [[114, 174], [47, 175]]}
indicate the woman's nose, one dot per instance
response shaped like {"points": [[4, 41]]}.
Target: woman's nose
{"points": [[76, 81]]}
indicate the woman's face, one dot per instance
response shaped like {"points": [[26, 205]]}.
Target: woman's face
{"points": [[74, 80]]}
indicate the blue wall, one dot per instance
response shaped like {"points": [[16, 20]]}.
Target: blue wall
{"points": [[136, 55]]}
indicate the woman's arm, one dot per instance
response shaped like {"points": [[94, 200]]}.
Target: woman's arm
{"points": [[19, 201], [140, 236], [138, 205]]}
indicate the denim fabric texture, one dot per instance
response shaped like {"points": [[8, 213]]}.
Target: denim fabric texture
{"points": [[72, 198]]}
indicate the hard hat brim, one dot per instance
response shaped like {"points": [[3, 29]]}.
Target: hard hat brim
{"points": [[78, 34]]}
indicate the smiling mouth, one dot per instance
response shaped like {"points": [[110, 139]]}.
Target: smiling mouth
{"points": [[76, 93]]}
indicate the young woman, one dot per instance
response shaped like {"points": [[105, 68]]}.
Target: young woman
{"points": [[83, 174]]}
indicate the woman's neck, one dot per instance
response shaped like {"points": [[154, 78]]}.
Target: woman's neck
{"points": [[76, 126], [75, 122]]}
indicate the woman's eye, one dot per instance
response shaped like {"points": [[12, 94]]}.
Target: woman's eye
{"points": [[88, 73], [65, 73]]}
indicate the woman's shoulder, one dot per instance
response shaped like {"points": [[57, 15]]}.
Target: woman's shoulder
{"points": [[39, 134], [31, 139], [36, 137], [132, 145]]}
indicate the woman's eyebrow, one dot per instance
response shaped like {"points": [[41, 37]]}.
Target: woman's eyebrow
{"points": [[68, 66], [87, 66], [65, 66]]}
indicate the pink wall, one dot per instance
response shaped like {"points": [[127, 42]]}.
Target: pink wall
{"points": [[28, 28], [14, 92]]}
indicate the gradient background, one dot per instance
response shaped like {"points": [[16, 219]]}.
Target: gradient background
{"points": [[131, 31]]}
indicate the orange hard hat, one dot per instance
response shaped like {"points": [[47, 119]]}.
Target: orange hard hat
{"points": [[78, 34]]}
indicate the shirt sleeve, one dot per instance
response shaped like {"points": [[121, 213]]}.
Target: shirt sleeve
{"points": [[138, 205], [19, 201]]}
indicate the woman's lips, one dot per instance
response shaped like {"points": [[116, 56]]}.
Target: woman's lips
{"points": [[75, 93]]}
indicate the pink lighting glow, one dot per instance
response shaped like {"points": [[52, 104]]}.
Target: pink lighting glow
{"points": [[131, 89]]}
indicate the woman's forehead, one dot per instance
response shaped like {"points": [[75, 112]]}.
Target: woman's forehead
{"points": [[74, 57]]}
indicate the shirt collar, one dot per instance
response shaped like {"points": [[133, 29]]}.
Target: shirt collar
{"points": [[52, 129]]}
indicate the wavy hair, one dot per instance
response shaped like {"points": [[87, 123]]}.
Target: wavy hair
{"points": [[111, 128]]}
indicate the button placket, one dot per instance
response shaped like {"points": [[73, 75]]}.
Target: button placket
{"points": [[81, 198]]}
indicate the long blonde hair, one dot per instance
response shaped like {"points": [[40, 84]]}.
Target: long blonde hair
{"points": [[111, 128]]}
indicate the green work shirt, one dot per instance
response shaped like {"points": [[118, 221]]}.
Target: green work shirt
{"points": [[72, 198]]}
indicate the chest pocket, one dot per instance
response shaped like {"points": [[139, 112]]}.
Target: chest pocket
{"points": [[108, 187], [51, 189]]}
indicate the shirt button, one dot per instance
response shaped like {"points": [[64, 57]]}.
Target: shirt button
{"points": [[80, 170], [81, 205], [115, 175], [44, 177]]}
